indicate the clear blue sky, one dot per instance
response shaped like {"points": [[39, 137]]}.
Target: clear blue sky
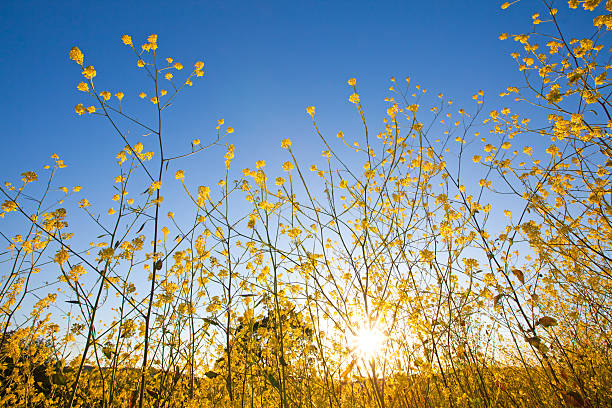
{"points": [[265, 61]]}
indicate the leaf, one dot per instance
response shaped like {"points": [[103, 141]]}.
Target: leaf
{"points": [[74, 302], [547, 321], [141, 227], [108, 352], [533, 341], [273, 381], [59, 379], [519, 275], [152, 393], [158, 265], [211, 321], [543, 348], [574, 399], [497, 299], [348, 370], [211, 374]]}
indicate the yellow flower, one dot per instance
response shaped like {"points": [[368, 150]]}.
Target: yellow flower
{"points": [[140, 63], [89, 72], [354, 98], [476, 158], [61, 256], [280, 181], [127, 40], [76, 55], [260, 163], [352, 82], [91, 109], [169, 76], [9, 206], [219, 233], [152, 39], [286, 143], [287, 166], [111, 211], [311, 110], [199, 65], [552, 150], [203, 194], [229, 154], [156, 185], [83, 87], [195, 142], [505, 5], [503, 36], [178, 65], [142, 95], [119, 95], [230, 130], [106, 95], [179, 174], [154, 99], [554, 96], [79, 109]]}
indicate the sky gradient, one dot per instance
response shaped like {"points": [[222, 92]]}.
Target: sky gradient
{"points": [[265, 62]]}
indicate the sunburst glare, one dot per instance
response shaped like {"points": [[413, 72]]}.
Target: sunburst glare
{"points": [[368, 342]]}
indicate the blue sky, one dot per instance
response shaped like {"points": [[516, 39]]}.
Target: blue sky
{"points": [[265, 61]]}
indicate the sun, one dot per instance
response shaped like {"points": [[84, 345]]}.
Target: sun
{"points": [[368, 342]]}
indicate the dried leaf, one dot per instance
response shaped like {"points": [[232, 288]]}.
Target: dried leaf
{"points": [[547, 321], [519, 275]]}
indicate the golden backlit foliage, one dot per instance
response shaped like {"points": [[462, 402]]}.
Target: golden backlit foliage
{"points": [[443, 257]]}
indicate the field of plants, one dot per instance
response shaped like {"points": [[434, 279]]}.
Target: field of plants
{"points": [[445, 256]]}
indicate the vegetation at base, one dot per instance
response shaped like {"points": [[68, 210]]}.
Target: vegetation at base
{"points": [[443, 257]]}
